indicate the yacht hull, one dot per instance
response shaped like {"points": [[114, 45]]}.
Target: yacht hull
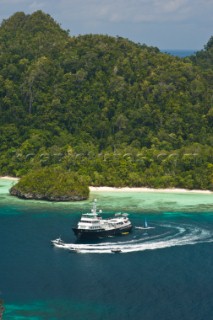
{"points": [[100, 233]]}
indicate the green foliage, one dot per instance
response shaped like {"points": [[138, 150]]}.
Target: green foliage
{"points": [[51, 184], [84, 103]]}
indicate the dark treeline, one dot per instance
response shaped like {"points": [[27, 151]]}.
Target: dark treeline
{"points": [[115, 112]]}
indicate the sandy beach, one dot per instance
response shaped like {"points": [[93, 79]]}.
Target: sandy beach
{"points": [[127, 189], [144, 189], [9, 178]]}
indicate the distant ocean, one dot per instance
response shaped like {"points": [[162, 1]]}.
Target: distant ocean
{"points": [[179, 53], [163, 273]]}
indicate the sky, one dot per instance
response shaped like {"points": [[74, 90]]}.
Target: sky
{"points": [[166, 24]]}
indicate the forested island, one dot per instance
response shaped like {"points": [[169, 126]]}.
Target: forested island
{"points": [[51, 184], [104, 109]]}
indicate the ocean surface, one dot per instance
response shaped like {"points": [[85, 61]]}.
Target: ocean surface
{"points": [[165, 272], [179, 53]]}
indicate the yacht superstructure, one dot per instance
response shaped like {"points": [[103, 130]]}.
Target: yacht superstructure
{"points": [[91, 225]]}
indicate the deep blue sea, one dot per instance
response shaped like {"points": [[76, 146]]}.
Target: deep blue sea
{"points": [[165, 272]]}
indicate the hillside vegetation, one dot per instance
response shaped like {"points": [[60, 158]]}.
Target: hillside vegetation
{"points": [[115, 112]]}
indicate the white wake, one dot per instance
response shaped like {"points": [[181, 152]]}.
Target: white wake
{"points": [[140, 240]]}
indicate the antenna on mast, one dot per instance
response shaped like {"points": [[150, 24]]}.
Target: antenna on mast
{"points": [[94, 207]]}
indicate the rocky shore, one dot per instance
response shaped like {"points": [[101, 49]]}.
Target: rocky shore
{"points": [[51, 184], [38, 196]]}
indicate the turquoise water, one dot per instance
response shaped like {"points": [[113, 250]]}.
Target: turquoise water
{"points": [[135, 201], [162, 273]]}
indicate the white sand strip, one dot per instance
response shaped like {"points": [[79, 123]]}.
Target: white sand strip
{"points": [[144, 189], [127, 189], [9, 178]]}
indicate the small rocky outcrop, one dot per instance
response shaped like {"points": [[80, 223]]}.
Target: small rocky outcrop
{"points": [[37, 196], [52, 185]]}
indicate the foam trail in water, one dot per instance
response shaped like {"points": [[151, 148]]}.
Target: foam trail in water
{"points": [[170, 235]]}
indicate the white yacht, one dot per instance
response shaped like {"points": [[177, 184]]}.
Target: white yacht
{"points": [[92, 225]]}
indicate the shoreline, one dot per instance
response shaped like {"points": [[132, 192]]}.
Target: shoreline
{"points": [[9, 178], [145, 189], [133, 189]]}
